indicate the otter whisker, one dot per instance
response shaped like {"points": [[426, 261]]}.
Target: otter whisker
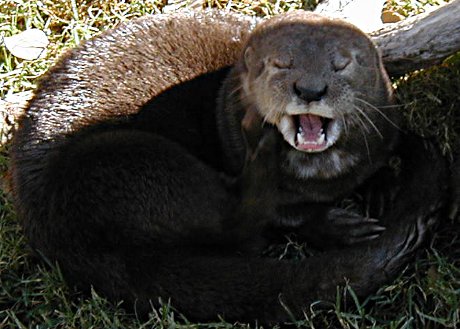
{"points": [[269, 115], [359, 122], [368, 119], [235, 90], [373, 107], [344, 121], [392, 106], [367, 147], [273, 115], [363, 129]]}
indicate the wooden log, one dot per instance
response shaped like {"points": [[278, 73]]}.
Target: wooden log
{"points": [[420, 41]]}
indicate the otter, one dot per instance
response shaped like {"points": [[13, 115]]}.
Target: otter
{"points": [[143, 178]]}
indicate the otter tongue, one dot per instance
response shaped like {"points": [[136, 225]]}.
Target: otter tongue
{"points": [[310, 127]]}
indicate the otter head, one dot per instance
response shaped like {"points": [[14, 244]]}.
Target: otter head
{"points": [[322, 83]]}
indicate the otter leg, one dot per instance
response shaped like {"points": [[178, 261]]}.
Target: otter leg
{"points": [[413, 205], [327, 227], [414, 182], [368, 265], [417, 184]]}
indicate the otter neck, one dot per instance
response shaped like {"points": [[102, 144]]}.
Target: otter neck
{"points": [[307, 178]]}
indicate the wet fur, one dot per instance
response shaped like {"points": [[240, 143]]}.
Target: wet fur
{"points": [[124, 180]]}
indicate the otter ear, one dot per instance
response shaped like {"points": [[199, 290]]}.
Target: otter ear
{"points": [[248, 57], [253, 65]]}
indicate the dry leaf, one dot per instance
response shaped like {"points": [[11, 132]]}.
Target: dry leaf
{"points": [[30, 44], [389, 16]]}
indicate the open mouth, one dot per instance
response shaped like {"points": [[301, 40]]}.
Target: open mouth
{"points": [[309, 132]]}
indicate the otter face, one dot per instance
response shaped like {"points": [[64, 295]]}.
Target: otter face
{"points": [[318, 80], [297, 89]]}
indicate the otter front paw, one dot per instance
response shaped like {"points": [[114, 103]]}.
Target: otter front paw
{"points": [[405, 248], [340, 227], [348, 227]]}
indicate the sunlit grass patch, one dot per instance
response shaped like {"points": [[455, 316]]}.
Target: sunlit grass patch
{"points": [[66, 22], [261, 8]]}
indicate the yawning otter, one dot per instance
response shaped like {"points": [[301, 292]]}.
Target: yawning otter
{"points": [[172, 198]]}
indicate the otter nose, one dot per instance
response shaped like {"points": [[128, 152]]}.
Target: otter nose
{"points": [[310, 93]]}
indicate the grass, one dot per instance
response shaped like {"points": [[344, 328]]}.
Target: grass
{"points": [[32, 291], [432, 102], [409, 8]]}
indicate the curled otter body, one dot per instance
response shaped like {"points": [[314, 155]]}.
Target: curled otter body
{"points": [[132, 196]]}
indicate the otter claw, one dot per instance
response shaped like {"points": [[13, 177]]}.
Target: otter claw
{"points": [[363, 239], [371, 220], [410, 244], [350, 228]]}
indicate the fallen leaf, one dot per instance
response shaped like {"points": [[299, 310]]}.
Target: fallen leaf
{"points": [[389, 16], [29, 45]]}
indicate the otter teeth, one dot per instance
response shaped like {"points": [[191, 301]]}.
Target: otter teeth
{"points": [[313, 138], [286, 126], [321, 137], [308, 143]]}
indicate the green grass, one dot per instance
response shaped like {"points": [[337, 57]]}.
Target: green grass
{"points": [[32, 291], [432, 102]]}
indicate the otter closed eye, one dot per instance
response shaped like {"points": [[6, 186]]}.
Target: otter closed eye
{"points": [[282, 63], [341, 59]]}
